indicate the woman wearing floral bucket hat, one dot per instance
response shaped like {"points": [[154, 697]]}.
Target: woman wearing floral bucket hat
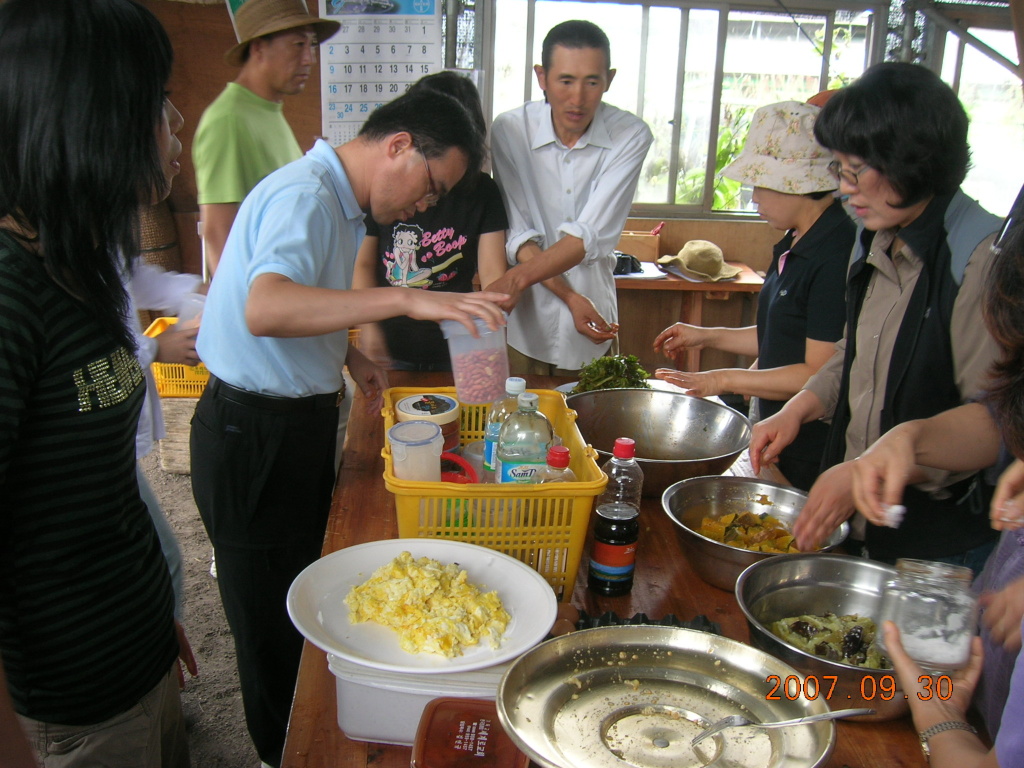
{"points": [[801, 308]]}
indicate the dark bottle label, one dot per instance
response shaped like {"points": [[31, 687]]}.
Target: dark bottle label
{"points": [[613, 557]]}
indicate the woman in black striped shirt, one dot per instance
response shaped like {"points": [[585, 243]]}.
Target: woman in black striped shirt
{"points": [[87, 637]]}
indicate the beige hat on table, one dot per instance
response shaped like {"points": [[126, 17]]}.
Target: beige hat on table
{"points": [[256, 18], [781, 152], [701, 260]]}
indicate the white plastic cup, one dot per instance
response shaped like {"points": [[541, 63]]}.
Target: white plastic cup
{"points": [[416, 450], [191, 308]]}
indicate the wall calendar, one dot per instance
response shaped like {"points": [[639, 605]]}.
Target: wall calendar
{"points": [[382, 48]]}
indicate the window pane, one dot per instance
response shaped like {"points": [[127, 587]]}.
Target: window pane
{"points": [[992, 97], [769, 58], [698, 95], [510, 65], [850, 47], [661, 92]]}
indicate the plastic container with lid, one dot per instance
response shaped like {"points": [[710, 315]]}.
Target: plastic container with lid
{"points": [[416, 447], [464, 733], [440, 409], [479, 363], [383, 706]]}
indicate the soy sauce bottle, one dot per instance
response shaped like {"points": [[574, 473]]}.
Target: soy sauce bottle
{"points": [[613, 556]]}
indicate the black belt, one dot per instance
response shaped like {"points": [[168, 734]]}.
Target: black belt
{"points": [[225, 391]]}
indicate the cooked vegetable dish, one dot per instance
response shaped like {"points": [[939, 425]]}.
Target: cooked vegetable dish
{"points": [[612, 372], [846, 639], [758, 533]]}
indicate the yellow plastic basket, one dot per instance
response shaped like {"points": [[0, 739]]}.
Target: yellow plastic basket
{"points": [[544, 526], [172, 379]]}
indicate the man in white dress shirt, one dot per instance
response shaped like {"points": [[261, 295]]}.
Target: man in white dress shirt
{"points": [[568, 168]]}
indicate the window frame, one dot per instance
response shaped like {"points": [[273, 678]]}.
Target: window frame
{"points": [[876, 42]]}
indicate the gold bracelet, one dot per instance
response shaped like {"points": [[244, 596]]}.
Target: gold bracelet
{"points": [[948, 725]]}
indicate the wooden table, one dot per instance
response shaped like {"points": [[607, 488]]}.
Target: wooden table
{"points": [[363, 511], [646, 307]]}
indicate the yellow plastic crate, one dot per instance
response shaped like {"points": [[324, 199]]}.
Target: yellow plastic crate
{"points": [[173, 379], [544, 526]]}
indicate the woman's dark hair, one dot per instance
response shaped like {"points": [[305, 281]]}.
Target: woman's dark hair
{"points": [[459, 88], [436, 122], [81, 96], [904, 122], [463, 91], [1004, 317]]}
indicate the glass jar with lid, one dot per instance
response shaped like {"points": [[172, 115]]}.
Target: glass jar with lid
{"points": [[935, 610]]}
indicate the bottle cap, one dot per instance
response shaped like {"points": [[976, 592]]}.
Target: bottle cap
{"points": [[528, 400], [558, 456], [625, 448], [515, 385]]}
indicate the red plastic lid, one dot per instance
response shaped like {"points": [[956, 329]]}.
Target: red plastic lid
{"points": [[558, 456], [625, 447], [464, 733]]}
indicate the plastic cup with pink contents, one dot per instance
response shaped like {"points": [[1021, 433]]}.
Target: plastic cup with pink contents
{"points": [[479, 364]]}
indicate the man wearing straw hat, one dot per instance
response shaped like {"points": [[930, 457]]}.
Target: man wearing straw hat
{"points": [[243, 135]]}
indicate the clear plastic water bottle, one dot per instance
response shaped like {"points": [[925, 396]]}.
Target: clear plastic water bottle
{"points": [[500, 410], [557, 469], [625, 478], [523, 442]]}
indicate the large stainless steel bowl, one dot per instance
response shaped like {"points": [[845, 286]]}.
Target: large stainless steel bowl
{"points": [[689, 501], [636, 696], [811, 584], [677, 435]]}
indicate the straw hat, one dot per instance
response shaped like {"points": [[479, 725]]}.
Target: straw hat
{"points": [[256, 18], [781, 152], [701, 260]]}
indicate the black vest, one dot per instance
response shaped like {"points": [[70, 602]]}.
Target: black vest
{"points": [[921, 381]]}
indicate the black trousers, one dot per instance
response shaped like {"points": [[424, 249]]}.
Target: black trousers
{"points": [[262, 479]]}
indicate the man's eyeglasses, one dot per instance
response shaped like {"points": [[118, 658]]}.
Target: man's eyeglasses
{"points": [[843, 174], [1012, 220], [432, 195]]}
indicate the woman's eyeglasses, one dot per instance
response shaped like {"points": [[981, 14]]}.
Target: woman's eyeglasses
{"points": [[844, 174]]}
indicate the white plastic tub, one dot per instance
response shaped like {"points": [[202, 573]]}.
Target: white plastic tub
{"points": [[382, 706]]}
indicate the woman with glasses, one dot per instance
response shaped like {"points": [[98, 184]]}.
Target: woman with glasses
{"points": [[967, 438], [800, 310], [913, 345], [442, 248]]}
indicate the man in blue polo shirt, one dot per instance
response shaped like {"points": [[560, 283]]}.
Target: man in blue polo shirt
{"points": [[275, 337]]}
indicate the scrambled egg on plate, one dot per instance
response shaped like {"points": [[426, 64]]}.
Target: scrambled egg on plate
{"points": [[433, 607]]}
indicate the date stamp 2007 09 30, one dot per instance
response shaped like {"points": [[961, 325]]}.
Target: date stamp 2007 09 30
{"points": [[883, 688]]}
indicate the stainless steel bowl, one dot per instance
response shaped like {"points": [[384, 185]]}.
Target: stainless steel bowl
{"points": [[677, 435], [636, 695], [689, 501], [795, 585]]}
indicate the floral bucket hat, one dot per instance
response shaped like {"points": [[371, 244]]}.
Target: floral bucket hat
{"points": [[781, 153]]}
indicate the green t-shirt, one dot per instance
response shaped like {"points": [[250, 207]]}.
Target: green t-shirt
{"points": [[241, 138]]}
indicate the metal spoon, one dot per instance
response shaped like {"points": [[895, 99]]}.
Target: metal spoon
{"points": [[733, 721]]}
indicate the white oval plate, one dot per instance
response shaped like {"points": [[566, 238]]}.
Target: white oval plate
{"points": [[317, 608]]}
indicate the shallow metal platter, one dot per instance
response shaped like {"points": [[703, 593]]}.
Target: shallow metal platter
{"points": [[623, 696]]}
